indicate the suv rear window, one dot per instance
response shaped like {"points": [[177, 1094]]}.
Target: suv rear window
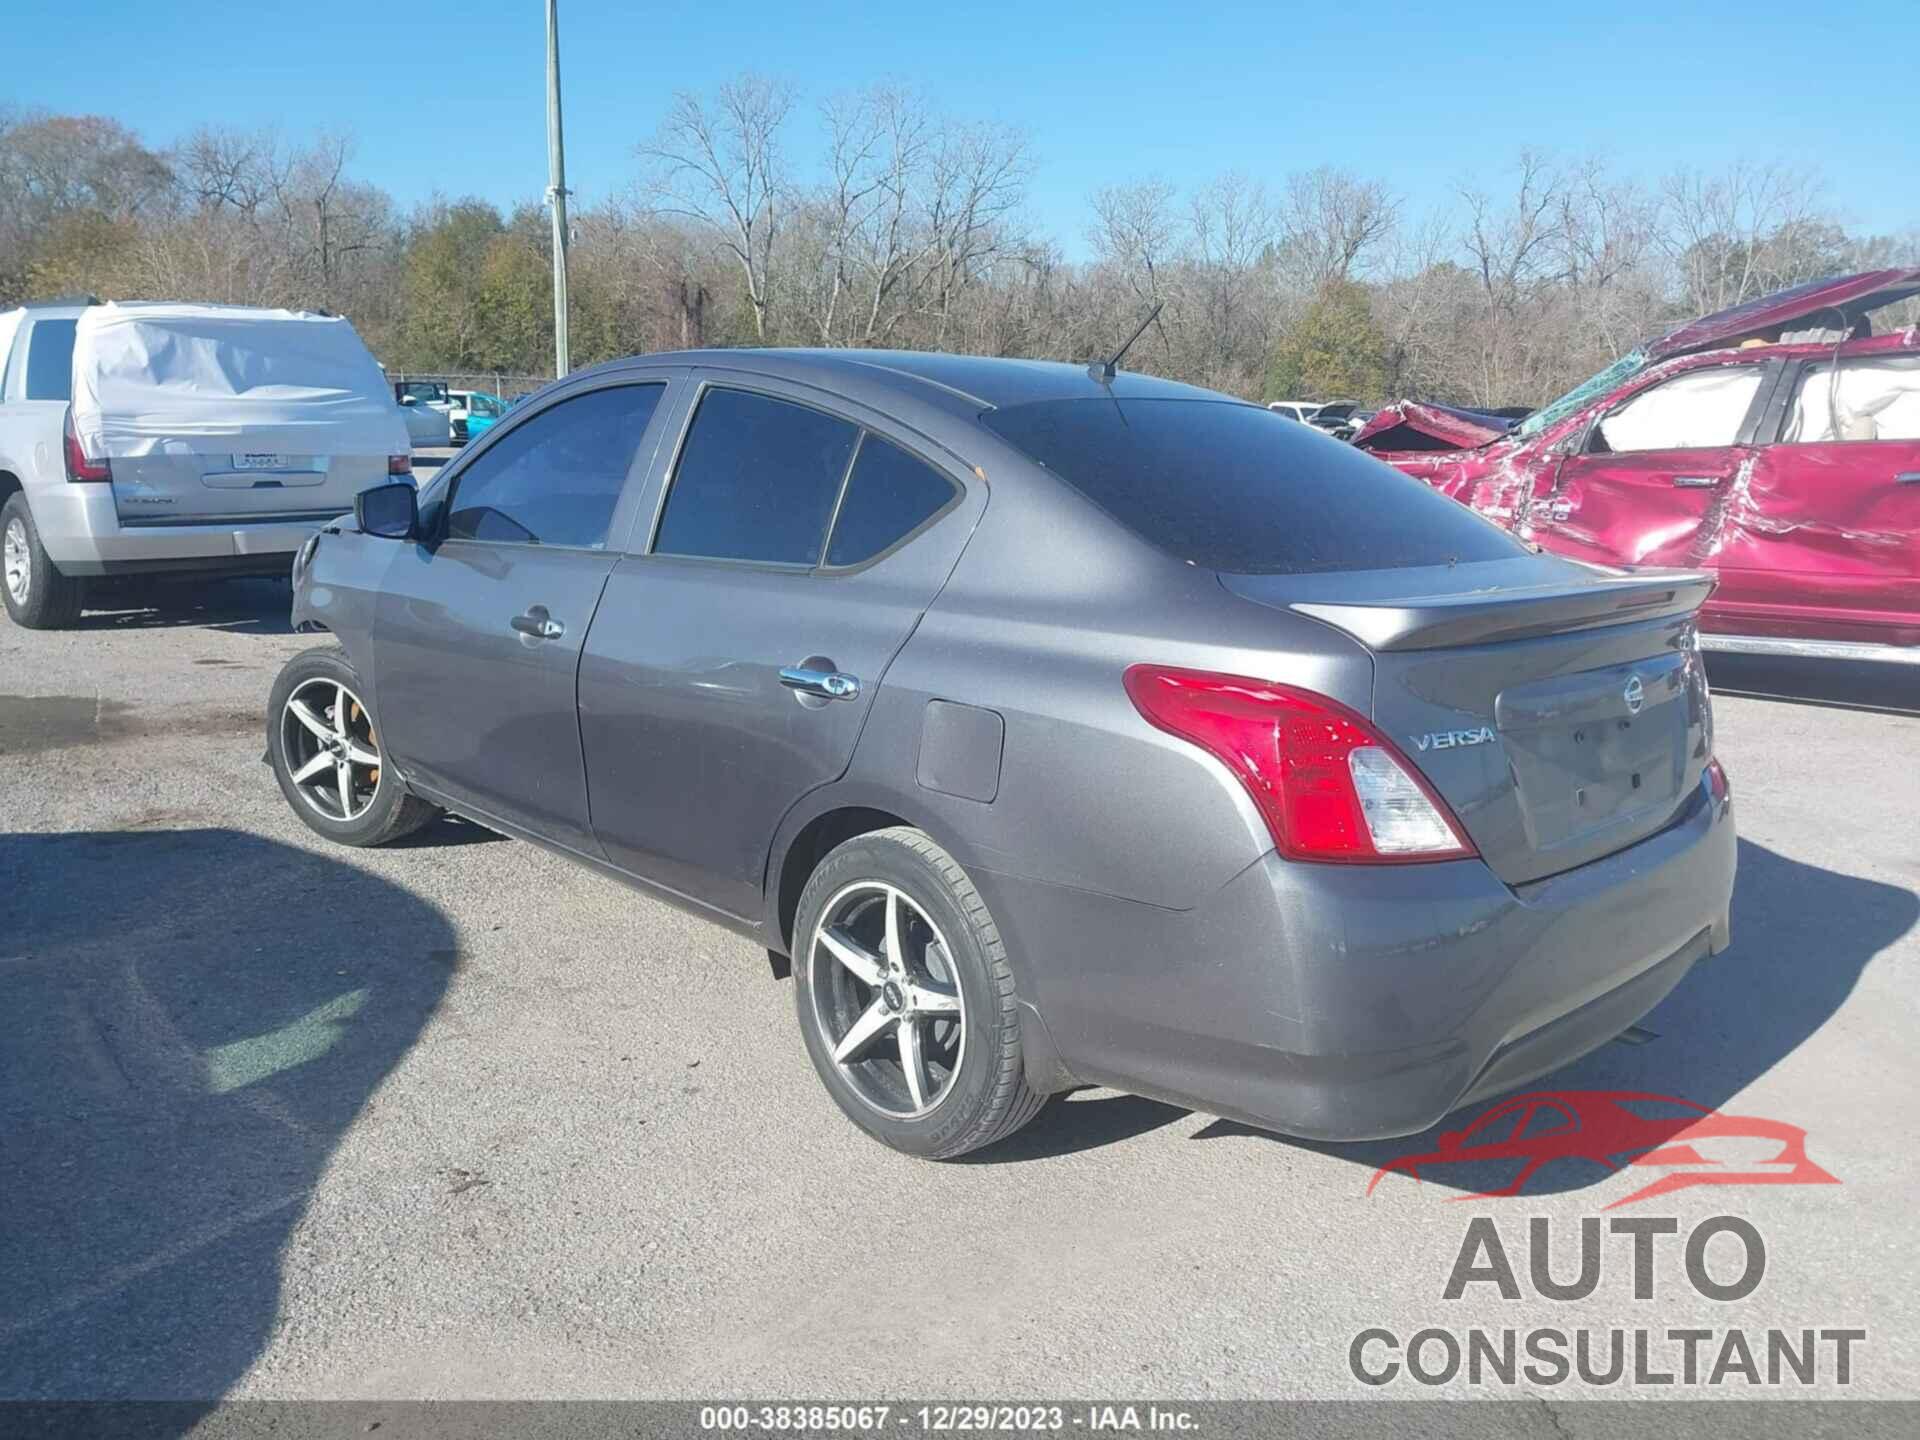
{"points": [[1235, 488], [50, 360]]}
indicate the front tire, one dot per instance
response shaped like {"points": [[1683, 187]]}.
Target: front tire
{"points": [[37, 595], [326, 755], [906, 999]]}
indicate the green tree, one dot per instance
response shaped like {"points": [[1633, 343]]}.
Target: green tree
{"points": [[445, 324], [1337, 351]]}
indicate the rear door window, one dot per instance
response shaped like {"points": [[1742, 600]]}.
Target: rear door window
{"points": [[890, 494], [50, 360], [1861, 400], [555, 478], [757, 480], [1235, 488]]}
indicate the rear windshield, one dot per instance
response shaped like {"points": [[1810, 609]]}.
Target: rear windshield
{"points": [[50, 360], [1236, 488]]}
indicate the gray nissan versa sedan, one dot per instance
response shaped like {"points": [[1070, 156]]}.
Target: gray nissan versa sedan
{"points": [[1063, 727]]}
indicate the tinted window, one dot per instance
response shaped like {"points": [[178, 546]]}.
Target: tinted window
{"points": [[1235, 488], [50, 360], [889, 495], [757, 480], [555, 478]]}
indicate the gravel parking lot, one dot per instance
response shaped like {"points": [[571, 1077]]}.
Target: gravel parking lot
{"points": [[459, 1119]]}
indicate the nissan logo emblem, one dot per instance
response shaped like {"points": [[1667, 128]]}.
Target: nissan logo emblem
{"points": [[1635, 695]]}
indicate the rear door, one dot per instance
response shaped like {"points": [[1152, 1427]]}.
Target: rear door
{"points": [[477, 636], [734, 658], [1648, 482], [1824, 540]]}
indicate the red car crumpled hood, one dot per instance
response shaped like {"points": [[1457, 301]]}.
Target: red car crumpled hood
{"points": [[1410, 426]]}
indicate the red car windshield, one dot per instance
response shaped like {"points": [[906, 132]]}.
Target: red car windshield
{"points": [[1623, 369]]}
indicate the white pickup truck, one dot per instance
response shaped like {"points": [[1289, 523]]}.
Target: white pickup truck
{"points": [[177, 439]]}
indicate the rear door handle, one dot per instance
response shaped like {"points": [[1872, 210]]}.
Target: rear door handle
{"points": [[1696, 482], [827, 684], [1907, 477], [539, 624]]}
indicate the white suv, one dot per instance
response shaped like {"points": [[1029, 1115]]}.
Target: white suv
{"points": [[166, 439]]}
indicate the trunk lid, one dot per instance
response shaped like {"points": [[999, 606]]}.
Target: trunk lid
{"points": [[1561, 712]]}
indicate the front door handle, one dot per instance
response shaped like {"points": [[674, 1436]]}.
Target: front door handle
{"points": [[539, 624], [827, 684], [1696, 482], [1907, 477]]}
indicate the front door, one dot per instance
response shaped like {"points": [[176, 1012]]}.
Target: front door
{"points": [[730, 669], [478, 635], [1652, 478]]}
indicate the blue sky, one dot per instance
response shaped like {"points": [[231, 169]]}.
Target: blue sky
{"points": [[1108, 93]]}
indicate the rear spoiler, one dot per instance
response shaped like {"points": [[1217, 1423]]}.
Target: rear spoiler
{"points": [[1430, 622]]}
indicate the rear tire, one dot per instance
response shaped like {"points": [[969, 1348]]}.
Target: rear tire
{"points": [[325, 752], [38, 596], [949, 982]]}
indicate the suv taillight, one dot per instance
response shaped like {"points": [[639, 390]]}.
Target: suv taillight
{"points": [[79, 467], [1329, 785], [400, 465]]}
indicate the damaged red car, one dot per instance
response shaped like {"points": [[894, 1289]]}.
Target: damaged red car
{"points": [[1776, 444]]}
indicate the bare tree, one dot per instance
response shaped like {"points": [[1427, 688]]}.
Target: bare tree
{"points": [[1729, 234], [1329, 220], [721, 165]]}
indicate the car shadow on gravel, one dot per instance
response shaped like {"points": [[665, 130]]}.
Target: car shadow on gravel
{"points": [[194, 1018], [1802, 937], [249, 607]]}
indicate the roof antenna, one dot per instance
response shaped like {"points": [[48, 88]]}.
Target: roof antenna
{"points": [[1105, 370]]}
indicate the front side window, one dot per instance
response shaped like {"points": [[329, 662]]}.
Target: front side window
{"points": [[555, 478], [1696, 410], [890, 494], [757, 480], [50, 360]]}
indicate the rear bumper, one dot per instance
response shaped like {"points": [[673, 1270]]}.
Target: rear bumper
{"points": [[1349, 1003], [83, 535]]}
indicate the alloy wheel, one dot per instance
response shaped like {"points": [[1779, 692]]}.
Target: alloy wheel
{"points": [[887, 999], [18, 560], [332, 753]]}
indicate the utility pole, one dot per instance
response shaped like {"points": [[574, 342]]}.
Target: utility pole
{"points": [[557, 191]]}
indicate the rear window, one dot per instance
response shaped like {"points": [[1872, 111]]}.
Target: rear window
{"points": [[1235, 488], [50, 360]]}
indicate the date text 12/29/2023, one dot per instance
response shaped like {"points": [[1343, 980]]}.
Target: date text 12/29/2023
{"points": [[946, 1418]]}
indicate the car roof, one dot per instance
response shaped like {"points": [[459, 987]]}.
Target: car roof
{"points": [[958, 384]]}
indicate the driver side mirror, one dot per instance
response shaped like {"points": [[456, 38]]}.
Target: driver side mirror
{"points": [[389, 511]]}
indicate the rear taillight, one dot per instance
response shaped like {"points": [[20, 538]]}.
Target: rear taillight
{"points": [[79, 467], [399, 464], [1329, 785], [1718, 786]]}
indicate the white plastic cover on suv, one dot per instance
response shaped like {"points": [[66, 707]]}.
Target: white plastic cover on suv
{"points": [[153, 379]]}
